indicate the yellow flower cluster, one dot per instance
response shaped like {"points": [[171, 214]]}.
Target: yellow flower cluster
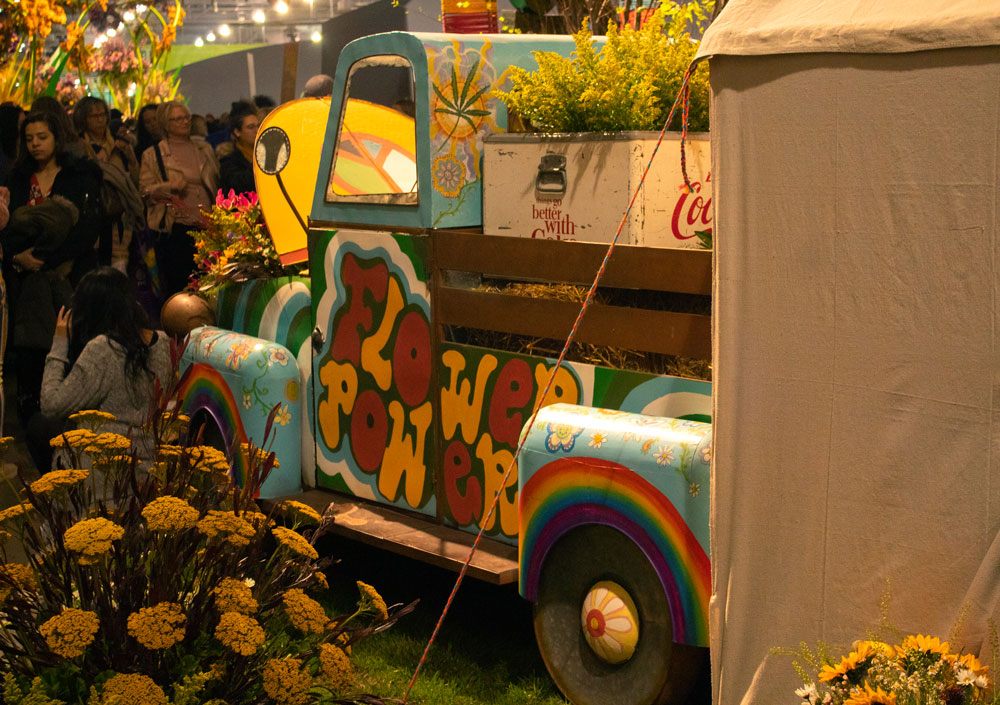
{"points": [[233, 595], [158, 627], [109, 444], [167, 451], [22, 577], [240, 633], [40, 15], [286, 682], [169, 34], [255, 455], [169, 514], [209, 459], [295, 542], [305, 613], [6, 442], [58, 479], [77, 438], [134, 689], [16, 511], [299, 511], [69, 633], [372, 601], [321, 580], [226, 525], [868, 696], [88, 416], [92, 538], [256, 519], [336, 665]]}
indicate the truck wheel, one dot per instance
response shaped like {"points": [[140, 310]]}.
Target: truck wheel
{"points": [[603, 624]]}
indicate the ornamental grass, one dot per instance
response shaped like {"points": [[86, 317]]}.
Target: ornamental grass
{"points": [[166, 584]]}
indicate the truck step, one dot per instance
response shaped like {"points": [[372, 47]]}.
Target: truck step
{"points": [[412, 536]]}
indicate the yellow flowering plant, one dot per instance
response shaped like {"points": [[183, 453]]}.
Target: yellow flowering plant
{"points": [[918, 670], [628, 82], [160, 581]]}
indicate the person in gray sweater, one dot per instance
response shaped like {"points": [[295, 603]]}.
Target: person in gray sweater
{"points": [[104, 356]]}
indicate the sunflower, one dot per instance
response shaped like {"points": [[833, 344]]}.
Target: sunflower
{"points": [[849, 667], [867, 696], [926, 644]]}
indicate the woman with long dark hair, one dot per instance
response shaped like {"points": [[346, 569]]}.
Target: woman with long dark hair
{"points": [[104, 356], [55, 219]]}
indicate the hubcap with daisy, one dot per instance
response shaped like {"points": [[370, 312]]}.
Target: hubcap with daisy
{"points": [[610, 622]]}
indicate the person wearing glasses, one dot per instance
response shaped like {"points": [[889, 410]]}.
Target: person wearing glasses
{"points": [[178, 179]]}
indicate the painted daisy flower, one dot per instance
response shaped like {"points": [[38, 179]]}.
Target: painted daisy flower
{"points": [[597, 440], [664, 455]]}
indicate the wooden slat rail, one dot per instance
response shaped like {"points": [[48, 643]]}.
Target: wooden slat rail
{"points": [[653, 268], [685, 334]]}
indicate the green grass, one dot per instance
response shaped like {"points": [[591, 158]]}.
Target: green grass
{"points": [[485, 653]]}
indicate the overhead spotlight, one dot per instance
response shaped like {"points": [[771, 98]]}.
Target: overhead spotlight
{"points": [[128, 16], [316, 36], [210, 37], [259, 17], [199, 42], [281, 7], [224, 30]]}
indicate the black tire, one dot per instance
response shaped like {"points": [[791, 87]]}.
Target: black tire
{"points": [[658, 672]]}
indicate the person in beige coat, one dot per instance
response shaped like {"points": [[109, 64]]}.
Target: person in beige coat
{"points": [[178, 179]]}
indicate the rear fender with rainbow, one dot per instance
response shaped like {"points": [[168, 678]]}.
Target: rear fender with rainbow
{"points": [[644, 476]]}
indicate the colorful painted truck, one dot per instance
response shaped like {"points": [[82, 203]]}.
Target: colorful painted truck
{"points": [[396, 411]]}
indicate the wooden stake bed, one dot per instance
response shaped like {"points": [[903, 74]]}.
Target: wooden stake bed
{"points": [[414, 537]]}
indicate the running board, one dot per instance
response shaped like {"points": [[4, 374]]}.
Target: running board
{"points": [[412, 536]]}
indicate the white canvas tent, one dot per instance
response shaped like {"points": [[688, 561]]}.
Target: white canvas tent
{"points": [[855, 154]]}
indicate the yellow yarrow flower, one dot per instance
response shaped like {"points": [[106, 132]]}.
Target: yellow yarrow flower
{"points": [[78, 438], [109, 443], [58, 479], [867, 696], [6, 442], [158, 627], [16, 576], [209, 459], [256, 519], [167, 451], [258, 455], [240, 633], [227, 526], [134, 689], [336, 665], [321, 580], [88, 415], [372, 601], [286, 682], [92, 538], [305, 613], [69, 633], [299, 510], [16, 511], [295, 542], [233, 595], [169, 514]]}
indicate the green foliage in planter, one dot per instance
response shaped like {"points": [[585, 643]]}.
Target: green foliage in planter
{"points": [[629, 84]]}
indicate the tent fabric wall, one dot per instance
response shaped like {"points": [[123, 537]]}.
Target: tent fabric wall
{"points": [[857, 353]]}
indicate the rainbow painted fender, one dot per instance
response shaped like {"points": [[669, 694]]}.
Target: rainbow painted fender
{"points": [[646, 476], [237, 380]]}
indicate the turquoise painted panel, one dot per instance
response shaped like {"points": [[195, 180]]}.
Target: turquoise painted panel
{"points": [[237, 380]]}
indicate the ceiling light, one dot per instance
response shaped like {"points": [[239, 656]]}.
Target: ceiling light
{"points": [[281, 7], [224, 30], [316, 36], [259, 17], [199, 42], [210, 36]]}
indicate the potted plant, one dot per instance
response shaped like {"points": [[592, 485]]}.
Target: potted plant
{"points": [[592, 117]]}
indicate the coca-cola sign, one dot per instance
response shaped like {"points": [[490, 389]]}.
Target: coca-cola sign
{"points": [[693, 210]]}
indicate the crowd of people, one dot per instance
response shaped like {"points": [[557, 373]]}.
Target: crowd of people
{"points": [[81, 189]]}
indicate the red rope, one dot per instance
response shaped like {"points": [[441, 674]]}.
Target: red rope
{"points": [[682, 98]]}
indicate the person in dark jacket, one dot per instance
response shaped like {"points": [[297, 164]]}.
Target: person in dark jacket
{"points": [[236, 168], [45, 168]]}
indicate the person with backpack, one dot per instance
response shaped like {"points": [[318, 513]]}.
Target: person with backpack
{"points": [[120, 170]]}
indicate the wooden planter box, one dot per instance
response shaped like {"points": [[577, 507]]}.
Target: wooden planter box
{"points": [[577, 186]]}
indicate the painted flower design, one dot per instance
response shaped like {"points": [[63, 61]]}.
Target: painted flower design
{"points": [[449, 176], [276, 356], [664, 455], [247, 399], [237, 354], [597, 440], [706, 454], [561, 437], [284, 416]]}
